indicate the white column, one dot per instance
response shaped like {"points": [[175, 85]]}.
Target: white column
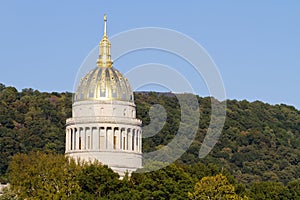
{"points": [[120, 138], [117, 139], [91, 136], [126, 138], [87, 138], [100, 145], [140, 135], [122, 141], [95, 136], [129, 139], [82, 135], [110, 138], [73, 138], [88, 143], [137, 140], [67, 140], [105, 138], [102, 139]]}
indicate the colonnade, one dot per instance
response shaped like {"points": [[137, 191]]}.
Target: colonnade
{"points": [[104, 138]]}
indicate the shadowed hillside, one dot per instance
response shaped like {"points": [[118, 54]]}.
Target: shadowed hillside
{"points": [[260, 142]]}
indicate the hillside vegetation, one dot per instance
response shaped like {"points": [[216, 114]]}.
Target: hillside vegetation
{"points": [[259, 142]]}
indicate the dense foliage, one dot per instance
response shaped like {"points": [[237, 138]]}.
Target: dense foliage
{"points": [[214, 188], [48, 176], [260, 143], [53, 176], [31, 120], [43, 176]]}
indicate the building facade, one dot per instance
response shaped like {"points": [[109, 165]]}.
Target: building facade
{"points": [[104, 126]]}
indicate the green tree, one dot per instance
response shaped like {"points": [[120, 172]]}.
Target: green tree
{"points": [[43, 176], [98, 180], [214, 187], [171, 182], [260, 142], [269, 190], [294, 189]]}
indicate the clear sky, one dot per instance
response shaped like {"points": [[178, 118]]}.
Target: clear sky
{"points": [[255, 44]]}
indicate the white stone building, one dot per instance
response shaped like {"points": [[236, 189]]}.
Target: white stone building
{"points": [[104, 126]]}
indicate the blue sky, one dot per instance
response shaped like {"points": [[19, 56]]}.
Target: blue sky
{"points": [[255, 44]]}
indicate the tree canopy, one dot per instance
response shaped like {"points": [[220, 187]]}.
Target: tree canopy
{"points": [[214, 188], [260, 143]]}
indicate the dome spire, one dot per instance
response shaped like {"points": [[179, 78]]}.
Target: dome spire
{"points": [[104, 59], [105, 20]]}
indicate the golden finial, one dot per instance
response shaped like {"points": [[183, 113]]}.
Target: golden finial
{"points": [[104, 59], [105, 19]]}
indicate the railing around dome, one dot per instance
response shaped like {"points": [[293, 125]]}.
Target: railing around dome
{"points": [[105, 119]]}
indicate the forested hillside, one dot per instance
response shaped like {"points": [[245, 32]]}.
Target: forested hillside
{"points": [[260, 142]]}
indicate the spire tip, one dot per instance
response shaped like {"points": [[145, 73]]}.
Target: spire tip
{"points": [[105, 19], [104, 59]]}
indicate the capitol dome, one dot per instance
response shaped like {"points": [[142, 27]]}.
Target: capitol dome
{"points": [[104, 83], [103, 125]]}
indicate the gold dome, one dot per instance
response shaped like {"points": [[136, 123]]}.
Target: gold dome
{"points": [[104, 82]]}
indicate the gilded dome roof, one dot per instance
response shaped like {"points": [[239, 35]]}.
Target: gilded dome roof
{"points": [[104, 84]]}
